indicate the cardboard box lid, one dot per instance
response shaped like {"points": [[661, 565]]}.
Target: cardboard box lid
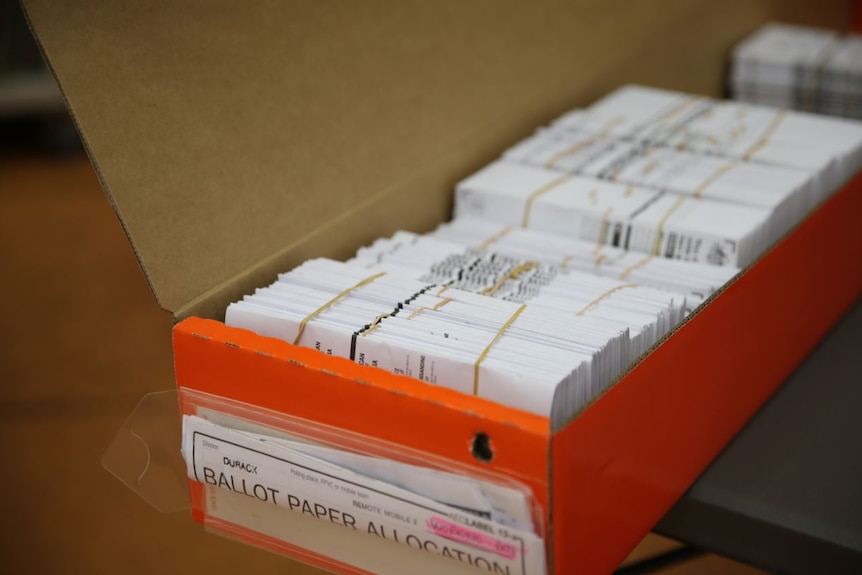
{"points": [[235, 140], [231, 135]]}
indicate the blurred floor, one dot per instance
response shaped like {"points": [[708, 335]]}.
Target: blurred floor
{"points": [[83, 341]]}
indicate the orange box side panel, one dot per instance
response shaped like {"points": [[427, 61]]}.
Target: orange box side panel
{"points": [[621, 465], [304, 383]]}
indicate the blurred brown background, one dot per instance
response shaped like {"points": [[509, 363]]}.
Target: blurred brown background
{"points": [[82, 342]]}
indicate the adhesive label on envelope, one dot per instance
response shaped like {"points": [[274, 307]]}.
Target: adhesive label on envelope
{"points": [[274, 474]]}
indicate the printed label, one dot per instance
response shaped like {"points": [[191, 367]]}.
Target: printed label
{"points": [[276, 475]]}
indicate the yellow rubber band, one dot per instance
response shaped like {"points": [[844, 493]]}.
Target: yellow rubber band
{"points": [[416, 312], [603, 296], [490, 345], [484, 245], [651, 165], [635, 266], [435, 307], [528, 205], [690, 101], [513, 274], [376, 323], [612, 123], [616, 173], [331, 302], [603, 230], [711, 179], [569, 151], [441, 303], [766, 135], [575, 148], [660, 232]]}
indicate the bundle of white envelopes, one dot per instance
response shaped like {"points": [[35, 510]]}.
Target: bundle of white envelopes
{"points": [[571, 255], [801, 68], [549, 356], [453, 239], [829, 149]]}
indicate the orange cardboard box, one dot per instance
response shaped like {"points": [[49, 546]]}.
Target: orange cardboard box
{"points": [[236, 141], [609, 476]]}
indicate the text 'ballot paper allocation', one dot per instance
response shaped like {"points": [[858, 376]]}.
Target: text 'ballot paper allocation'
{"points": [[274, 472]]}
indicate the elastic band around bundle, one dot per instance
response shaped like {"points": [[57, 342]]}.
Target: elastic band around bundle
{"points": [[528, 206], [330, 303], [484, 353], [603, 296]]}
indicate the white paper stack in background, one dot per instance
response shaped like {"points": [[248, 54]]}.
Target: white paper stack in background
{"points": [[633, 218], [787, 193], [829, 148], [550, 357], [800, 68]]}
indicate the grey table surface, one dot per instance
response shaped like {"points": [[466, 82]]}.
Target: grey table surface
{"points": [[786, 494]]}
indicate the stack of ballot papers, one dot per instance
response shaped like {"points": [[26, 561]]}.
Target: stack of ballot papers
{"points": [[634, 218], [550, 356], [483, 524], [464, 235], [827, 147], [788, 193], [801, 68]]}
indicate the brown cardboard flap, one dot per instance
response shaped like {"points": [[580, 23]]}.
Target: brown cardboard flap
{"points": [[234, 138]]}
